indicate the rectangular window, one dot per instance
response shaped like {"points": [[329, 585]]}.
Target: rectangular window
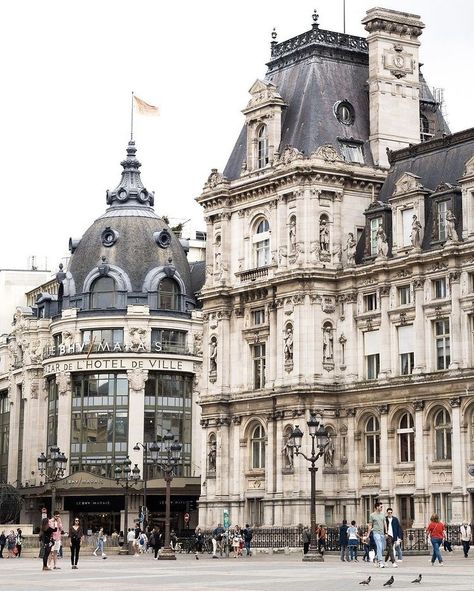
{"points": [[407, 220], [442, 505], [404, 295], [368, 504], [374, 226], [258, 316], [259, 362], [406, 343], [166, 340], [373, 366], [443, 344], [103, 339], [439, 288], [441, 211], [370, 302], [262, 252], [352, 152]]}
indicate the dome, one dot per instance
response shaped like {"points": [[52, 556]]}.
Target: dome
{"points": [[130, 244]]}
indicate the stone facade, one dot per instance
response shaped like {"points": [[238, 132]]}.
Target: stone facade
{"points": [[336, 287]]}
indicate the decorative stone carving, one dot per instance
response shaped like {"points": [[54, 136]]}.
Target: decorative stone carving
{"points": [[455, 402], [329, 452], [314, 251], [418, 405], [350, 249], [351, 412], [292, 234], [382, 244], [137, 339], [211, 456], [383, 409], [288, 155], [213, 359], [451, 234], [370, 479], [63, 381], [324, 236], [197, 343], [328, 344], [418, 283], [327, 153], [404, 478], [415, 235], [282, 256], [34, 389], [398, 62], [328, 304], [288, 452], [137, 379], [214, 179], [407, 182], [441, 477], [236, 419]]}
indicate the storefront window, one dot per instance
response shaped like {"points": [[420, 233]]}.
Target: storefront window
{"points": [[4, 434], [99, 430], [52, 412]]}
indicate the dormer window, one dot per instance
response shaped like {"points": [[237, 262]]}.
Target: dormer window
{"points": [[262, 147], [168, 295], [103, 293], [425, 131], [261, 243]]}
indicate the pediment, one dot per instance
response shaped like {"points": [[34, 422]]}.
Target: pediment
{"points": [[407, 182], [263, 92], [469, 167], [445, 188]]}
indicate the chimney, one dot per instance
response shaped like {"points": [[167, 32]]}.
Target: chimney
{"points": [[394, 85]]}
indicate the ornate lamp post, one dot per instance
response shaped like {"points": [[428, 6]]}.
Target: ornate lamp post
{"points": [[319, 440], [126, 477], [145, 448], [52, 468], [167, 456]]}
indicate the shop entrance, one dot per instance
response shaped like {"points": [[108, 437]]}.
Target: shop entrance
{"points": [[96, 512], [92, 522]]}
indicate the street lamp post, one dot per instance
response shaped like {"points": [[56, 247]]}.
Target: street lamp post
{"points": [[126, 477], [52, 468], [167, 456], [319, 440], [144, 446]]}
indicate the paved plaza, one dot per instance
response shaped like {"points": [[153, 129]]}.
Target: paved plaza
{"points": [[258, 573]]}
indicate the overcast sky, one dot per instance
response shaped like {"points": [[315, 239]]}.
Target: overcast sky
{"points": [[69, 68]]}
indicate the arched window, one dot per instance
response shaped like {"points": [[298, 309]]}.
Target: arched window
{"points": [[442, 426], [261, 244], [262, 147], [257, 442], [103, 293], [168, 295], [406, 438], [372, 441]]}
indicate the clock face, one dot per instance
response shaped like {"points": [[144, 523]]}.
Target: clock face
{"points": [[122, 195], [143, 196], [399, 61]]}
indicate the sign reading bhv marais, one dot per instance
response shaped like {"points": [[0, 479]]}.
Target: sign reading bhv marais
{"points": [[117, 361]]}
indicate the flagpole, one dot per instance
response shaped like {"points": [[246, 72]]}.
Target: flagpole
{"points": [[344, 15], [131, 120]]}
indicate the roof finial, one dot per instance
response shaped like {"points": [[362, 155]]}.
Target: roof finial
{"points": [[315, 17], [274, 40]]}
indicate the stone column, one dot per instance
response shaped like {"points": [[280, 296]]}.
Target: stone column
{"points": [[353, 459], [337, 229], [385, 334], [272, 362], [136, 414], [420, 517], [385, 460], [420, 340], [456, 344], [457, 463], [354, 342], [63, 381]]}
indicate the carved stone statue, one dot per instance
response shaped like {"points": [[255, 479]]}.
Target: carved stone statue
{"points": [[382, 244], [288, 453], [288, 346], [137, 339], [451, 233], [217, 255], [324, 235], [415, 234], [351, 249], [315, 249], [137, 379], [292, 235], [213, 355], [328, 345], [211, 457], [329, 453], [63, 381], [197, 348]]}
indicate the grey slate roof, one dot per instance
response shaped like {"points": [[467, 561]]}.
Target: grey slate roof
{"points": [[438, 161]]}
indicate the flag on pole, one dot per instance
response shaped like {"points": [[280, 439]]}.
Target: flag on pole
{"points": [[145, 108]]}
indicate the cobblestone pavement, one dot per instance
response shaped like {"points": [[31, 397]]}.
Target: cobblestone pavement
{"points": [[257, 573]]}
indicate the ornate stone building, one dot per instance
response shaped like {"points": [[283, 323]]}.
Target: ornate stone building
{"points": [[340, 270], [108, 359]]}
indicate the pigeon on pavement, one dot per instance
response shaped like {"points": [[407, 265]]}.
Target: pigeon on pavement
{"points": [[418, 579], [366, 582], [197, 557], [389, 582]]}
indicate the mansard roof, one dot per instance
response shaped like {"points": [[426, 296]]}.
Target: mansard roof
{"points": [[436, 162]]}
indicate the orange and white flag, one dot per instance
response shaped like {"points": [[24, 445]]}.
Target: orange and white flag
{"points": [[145, 108]]}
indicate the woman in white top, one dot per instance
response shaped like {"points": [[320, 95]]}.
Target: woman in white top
{"points": [[353, 539], [465, 531]]}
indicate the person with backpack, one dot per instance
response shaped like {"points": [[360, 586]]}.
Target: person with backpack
{"points": [[248, 535]]}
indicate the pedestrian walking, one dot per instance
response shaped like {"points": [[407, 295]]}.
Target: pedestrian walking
{"points": [[321, 534], [377, 527], [156, 540], [130, 540], [392, 527], [76, 535], [57, 527], [437, 533], [46, 537], [399, 544], [306, 539], [101, 539], [248, 535], [11, 544], [199, 540], [19, 542], [344, 540], [237, 541], [217, 535], [465, 531], [3, 541], [366, 547], [353, 541]]}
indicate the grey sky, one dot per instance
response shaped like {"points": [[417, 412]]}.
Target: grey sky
{"points": [[69, 69]]}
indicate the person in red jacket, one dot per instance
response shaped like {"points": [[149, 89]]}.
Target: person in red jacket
{"points": [[437, 533]]}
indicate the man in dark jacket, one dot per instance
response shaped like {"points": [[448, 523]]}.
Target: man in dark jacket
{"points": [[248, 535], [344, 541], [394, 532], [3, 541]]}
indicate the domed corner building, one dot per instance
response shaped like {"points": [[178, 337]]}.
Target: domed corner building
{"points": [[108, 366]]}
